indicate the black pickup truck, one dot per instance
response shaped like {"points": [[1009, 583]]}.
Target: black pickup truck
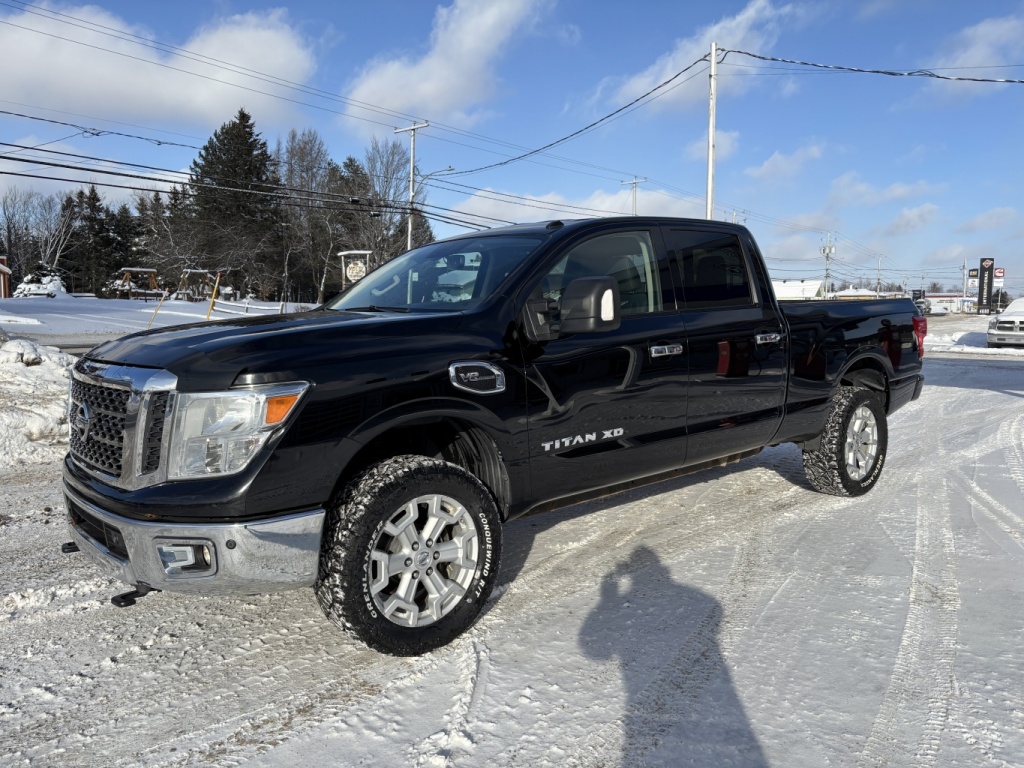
{"points": [[373, 447]]}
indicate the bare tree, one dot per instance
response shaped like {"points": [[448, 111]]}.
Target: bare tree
{"points": [[387, 170], [16, 229], [312, 220], [53, 221], [168, 239]]}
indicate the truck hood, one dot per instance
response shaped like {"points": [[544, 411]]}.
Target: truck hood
{"points": [[214, 355]]}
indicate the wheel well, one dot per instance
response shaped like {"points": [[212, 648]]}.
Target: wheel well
{"points": [[871, 375], [453, 440]]}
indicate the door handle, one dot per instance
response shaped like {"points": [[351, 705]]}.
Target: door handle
{"points": [[768, 338], [664, 350]]}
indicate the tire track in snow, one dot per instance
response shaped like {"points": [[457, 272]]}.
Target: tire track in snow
{"points": [[1011, 434], [917, 703], [454, 742], [1004, 518]]}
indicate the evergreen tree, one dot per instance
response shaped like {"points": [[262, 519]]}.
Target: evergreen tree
{"points": [[233, 193], [92, 256]]}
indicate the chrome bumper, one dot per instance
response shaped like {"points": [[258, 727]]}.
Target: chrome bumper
{"points": [[246, 558], [1005, 337]]}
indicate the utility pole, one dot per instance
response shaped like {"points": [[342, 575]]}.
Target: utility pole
{"points": [[634, 182], [878, 279], [962, 303], [828, 250], [412, 173], [713, 77]]}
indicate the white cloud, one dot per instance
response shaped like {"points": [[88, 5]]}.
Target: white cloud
{"points": [[820, 221], [456, 74], [911, 220], [789, 87], [123, 80], [13, 160], [780, 166], [569, 34], [793, 256], [650, 202], [993, 219], [755, 28], [849, 189], [873, 8], [726, 144], [989, 43]]}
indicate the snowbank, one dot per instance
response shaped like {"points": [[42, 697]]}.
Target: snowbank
{"points": [[33, 394]]}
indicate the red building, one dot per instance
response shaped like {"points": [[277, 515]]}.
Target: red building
{"points": [[5, 278]]}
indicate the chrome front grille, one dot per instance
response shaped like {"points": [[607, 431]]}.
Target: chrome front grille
{"points": [[97, 418], [1006, 325], [116, 417]]}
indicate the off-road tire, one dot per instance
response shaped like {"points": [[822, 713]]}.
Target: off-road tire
{"points": [[826, 468], [355, 527]]}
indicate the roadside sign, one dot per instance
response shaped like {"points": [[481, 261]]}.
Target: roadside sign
{"points": [[987, 267]]}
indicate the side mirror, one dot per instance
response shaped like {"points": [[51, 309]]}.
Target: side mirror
{"points": [[589, 305]]}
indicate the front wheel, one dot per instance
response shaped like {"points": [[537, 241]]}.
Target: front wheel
{"points": [[852, 452], [409, 555]]}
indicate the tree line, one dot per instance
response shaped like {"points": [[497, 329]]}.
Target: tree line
{"points": [[270, 222]]}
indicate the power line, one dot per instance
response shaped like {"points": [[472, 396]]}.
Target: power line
{"points": [[279, 192], [585, 128], [97, 131], [887, 72]]}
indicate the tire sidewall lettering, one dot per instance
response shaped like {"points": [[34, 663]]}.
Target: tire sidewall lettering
{"points": [[868, 482], [480, 579]]}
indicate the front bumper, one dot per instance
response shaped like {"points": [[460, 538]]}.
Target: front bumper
{"points": [[1005, 338], [245, 558]]}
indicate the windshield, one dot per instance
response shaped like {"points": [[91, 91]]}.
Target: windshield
{"points": [[448, 276]]}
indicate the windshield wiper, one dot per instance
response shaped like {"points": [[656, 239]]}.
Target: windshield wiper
{"points": [[377, 308]]}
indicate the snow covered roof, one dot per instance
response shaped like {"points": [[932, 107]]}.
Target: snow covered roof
{"points": [[854, 293], [797, 289]]}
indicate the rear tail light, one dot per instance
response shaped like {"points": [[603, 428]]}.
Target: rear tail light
{"points": [[920, 331]]}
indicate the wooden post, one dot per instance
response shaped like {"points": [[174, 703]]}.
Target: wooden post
{"points": [[159, 304], [213, 296]]}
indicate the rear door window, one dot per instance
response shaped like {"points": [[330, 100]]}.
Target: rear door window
{"points": [[710, 267]]}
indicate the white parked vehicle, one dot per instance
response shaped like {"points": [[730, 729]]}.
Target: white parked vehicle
{"points": [[1007, 328]]}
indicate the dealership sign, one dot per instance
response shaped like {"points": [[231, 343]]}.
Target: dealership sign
{"points": [[985, 277]]}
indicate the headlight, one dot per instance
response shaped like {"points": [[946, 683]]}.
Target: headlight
{"points": [[992, 323], [219, 433]]}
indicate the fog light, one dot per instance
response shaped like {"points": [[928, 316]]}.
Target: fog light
{"points": [[186, 558]]}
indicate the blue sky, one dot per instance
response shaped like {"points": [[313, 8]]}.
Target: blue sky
{"points": [[913, 174]]}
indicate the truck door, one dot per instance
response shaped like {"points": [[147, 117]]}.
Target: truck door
{"points": [[608, 407], [736, 353]]}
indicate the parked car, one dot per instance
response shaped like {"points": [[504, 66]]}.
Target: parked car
{"points": [[1007, 328], [373, 448]]}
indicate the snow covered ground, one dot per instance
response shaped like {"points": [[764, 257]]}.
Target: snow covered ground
{"points": [[732, 617]]}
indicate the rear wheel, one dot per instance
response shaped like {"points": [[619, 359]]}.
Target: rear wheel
{"points": [[409, 555], [850, 458]]}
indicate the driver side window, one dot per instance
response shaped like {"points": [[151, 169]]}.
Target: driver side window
{"points": [[627, 257]]}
